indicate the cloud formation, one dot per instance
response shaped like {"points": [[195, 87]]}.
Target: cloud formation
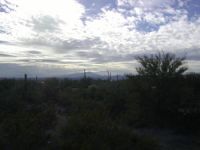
{"points": [[99, 36]]}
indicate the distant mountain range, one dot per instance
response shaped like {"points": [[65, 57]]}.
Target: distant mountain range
{"points": [[81, 75], [77, 76]]}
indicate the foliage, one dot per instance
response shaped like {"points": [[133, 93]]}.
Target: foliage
{"points": [[161, 64], [51, 114], [94, 130]]}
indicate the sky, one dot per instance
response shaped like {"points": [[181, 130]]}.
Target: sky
{"points": [[58, 37]]}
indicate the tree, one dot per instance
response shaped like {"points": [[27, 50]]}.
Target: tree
{"points": [[161, 64], [162, 86]]}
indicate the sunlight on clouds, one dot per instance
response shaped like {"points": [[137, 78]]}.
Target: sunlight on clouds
{"points": [[68, 9], [59, 33], [40, 15]]}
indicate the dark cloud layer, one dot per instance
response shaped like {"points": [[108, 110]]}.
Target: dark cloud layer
{"points": [[63, 46], [39, 60], [34, 52], [14, 70], [6, 55]]}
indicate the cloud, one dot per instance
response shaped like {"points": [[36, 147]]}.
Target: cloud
{"points": [[190, 54], [74, 34], [15, 70], [59, 45], [149, 4], [45, 23], [6, 43], [34, 52], [155, 18], [39, 60], [6, 55], [6, 6]]}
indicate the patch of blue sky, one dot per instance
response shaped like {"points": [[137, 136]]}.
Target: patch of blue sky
{"points": [[95, 7], [193, 9], [144, 26]]}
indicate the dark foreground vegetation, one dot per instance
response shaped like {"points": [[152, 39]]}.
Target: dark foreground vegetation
{"points": [[63, 114]]}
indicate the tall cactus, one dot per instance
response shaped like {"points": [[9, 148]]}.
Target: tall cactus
{"points": [[25, 85], [85, 74], [109, 76]]}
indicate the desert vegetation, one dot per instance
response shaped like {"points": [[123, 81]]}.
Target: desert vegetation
{"points": [[88, 114]]}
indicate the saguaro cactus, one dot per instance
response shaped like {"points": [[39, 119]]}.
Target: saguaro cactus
{"points": [[84, 74], [109, 76], [25, 85]]}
